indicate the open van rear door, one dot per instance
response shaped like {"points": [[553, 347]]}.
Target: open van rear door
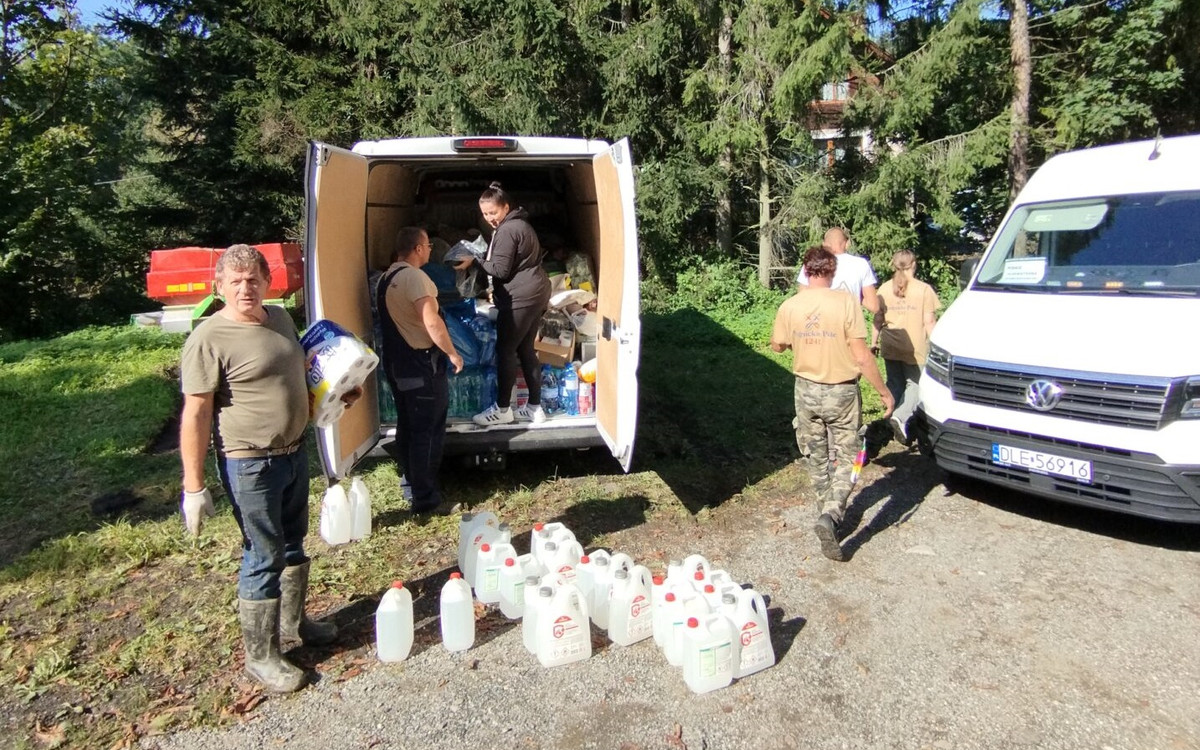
{"points": [[335, 194], [619, 304]]}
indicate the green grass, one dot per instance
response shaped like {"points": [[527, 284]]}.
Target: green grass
{"points": [[113, 626]]}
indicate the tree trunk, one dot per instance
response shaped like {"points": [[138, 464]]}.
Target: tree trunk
{"points": [[725, 164], [1018, 142], [766, 251]]}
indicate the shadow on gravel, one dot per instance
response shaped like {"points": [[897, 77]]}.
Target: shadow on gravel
{"points": [[900, 492], [1135, 529], [783, 632]]}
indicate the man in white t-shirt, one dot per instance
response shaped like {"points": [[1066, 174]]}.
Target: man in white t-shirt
{"points": [[854, 274]]}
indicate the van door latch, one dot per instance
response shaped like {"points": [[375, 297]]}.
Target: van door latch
{"points": [[606, 328]]}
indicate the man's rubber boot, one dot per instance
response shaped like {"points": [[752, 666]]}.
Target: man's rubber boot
{"points": [[826, 531], [294, 625], [260, 634]]}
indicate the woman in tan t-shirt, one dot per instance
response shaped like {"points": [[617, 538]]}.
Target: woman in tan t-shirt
{"points": [[907, 314]]}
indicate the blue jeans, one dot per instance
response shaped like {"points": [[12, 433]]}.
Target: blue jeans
{"points": [[420, 434], [270, 503]]}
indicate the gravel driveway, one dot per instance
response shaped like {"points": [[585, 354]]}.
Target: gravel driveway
{"points": [[977, 620]]}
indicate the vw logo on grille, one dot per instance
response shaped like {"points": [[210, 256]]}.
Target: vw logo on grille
{"points": [[1043, 395]]}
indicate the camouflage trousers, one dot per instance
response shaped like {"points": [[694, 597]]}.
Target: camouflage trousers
{"points": [[837, 408]]}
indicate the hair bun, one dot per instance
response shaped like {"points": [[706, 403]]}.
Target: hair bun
{"points": [[495, 185]]}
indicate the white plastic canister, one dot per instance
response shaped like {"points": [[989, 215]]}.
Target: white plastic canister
{"points": [[336, 518], [532, 594], [469, 525], [561, 558], [457, 614], [562, 628], [489, 561], [754, 633], [547, 533], [360, 509], [687, 603], [630, 617], [709, 653], [485, 534], [394, 624]]}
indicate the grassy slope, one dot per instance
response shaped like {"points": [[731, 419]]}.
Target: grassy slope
{"points": [[119, 626]]}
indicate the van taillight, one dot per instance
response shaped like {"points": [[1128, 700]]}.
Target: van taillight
{"points": [[484, 144]]}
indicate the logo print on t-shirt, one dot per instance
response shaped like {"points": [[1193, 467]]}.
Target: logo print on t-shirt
{"points": [[812, 322]]}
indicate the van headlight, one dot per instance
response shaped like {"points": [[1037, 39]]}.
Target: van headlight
{"points": [[1191, 399], [937, 365]]}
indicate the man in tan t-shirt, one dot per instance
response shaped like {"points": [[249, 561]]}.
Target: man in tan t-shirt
{"points": [[415, 348], [242, 372], [824, 329]]}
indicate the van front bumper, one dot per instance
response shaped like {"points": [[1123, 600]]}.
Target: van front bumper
{"points": [[1131, 482]]}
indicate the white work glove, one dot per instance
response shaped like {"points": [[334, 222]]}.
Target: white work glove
{"points": [[195, 506]]}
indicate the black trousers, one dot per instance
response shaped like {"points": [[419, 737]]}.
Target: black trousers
{"points": [[420, 435], [516, 330]]}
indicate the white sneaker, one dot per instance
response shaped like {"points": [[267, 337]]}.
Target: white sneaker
{"points": [[535, 414], [493, 415]]}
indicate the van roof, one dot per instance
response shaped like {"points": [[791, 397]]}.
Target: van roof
{"points": [[1122, 169], [442, 146]]}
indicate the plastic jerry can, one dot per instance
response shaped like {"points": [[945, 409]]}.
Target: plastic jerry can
{"points": [[601, 586], [563, 635], [630, 616], [693, 564], [545, 533], [749, 619], [491, 535], [457, 614], [687, 603], [360, 509], [533, 601], [658, 600], [394, 624], [336, 518], [585, 573], [713, 594], [512, 588], [469, 524], [561, 558], [489, 561], [720, 578], [709, 653]]}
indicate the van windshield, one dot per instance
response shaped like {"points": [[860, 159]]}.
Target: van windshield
{"points": [[1145, 244]]}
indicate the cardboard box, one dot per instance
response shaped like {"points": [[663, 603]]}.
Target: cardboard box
{"points": [[555, 352]]}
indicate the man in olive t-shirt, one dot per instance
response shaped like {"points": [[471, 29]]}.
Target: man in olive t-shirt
{"points": [[242, 372], [824, 329]]}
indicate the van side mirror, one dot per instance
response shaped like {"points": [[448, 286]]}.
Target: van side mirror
{"points": [[966, 271]]}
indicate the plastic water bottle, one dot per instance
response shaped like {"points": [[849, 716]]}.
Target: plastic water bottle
{"points": [[394, 624], [570, 391], [749, 619], [336, 518], [457, 614], [469, 527], [630, 617], [661, 625], [550, 403], [709, 653], [587, 399], [360, 509], [488, 563], [562, 628], [532, 594]]}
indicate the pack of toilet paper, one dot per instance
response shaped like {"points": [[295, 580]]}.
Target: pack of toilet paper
{"points": [[337, 362]]}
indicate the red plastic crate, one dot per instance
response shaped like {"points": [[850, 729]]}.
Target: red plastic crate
{"points": [[184, 275]]}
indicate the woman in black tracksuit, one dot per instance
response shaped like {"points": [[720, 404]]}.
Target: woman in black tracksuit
{"points": [[521, 293]]}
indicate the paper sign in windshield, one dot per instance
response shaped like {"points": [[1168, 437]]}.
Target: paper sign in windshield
{"points": [[1024, 271]]}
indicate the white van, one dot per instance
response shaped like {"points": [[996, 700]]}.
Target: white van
{"points": [[1070, 365], [356, 201]]}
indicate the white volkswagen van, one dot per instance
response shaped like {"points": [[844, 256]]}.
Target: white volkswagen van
{"points": [[1069, 368], [356, 201]]}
